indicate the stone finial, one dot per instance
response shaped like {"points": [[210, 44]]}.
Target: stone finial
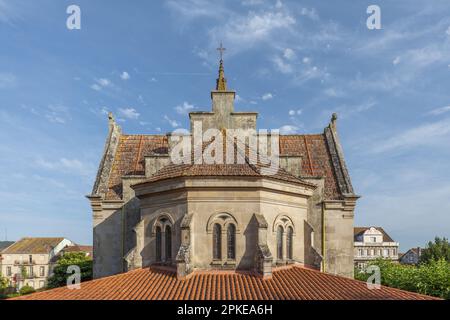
{"points": [[111, 117], [334, 118]]}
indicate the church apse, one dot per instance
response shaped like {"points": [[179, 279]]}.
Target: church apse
{"points": [[149, 210]]}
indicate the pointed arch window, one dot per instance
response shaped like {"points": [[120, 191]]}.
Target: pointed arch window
{"points": [[289, 243], [231, 242], [168, 240], [158, 244], [280, 242], [217, 242]]}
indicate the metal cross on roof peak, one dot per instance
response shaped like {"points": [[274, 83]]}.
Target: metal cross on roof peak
{"points": [[221, 49]]}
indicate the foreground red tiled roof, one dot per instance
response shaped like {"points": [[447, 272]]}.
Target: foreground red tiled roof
{"points": [[291, 283], [129, 160]]}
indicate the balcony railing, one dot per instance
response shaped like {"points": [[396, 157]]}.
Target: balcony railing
{"points": [[24, 263]]}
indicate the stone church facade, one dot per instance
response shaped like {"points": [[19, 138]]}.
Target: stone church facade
{"points": [[148, 210]]}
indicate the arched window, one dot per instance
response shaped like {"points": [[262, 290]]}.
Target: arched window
{"points": [[158, 243], [231, 242], [289, 243], [168, 239], [217, 242], [280, 242]]}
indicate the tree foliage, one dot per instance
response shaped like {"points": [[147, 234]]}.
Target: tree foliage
{"points": [[60, 275], [432, 278], [3, 283], [26, 290], [439, 249]]}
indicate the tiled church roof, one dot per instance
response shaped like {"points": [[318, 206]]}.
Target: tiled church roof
{"points": [[129, 160], [289, 283]]}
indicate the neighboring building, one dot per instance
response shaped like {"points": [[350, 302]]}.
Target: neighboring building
{"points": [[79, 248], [30, 261], [149, 211], [4, 245], [412, 256], [372, 243]]}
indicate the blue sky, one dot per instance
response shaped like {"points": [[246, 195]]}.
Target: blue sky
{"points": [[295, 62]]}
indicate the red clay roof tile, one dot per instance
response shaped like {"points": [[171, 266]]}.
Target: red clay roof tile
{"points": [[129, 160], [291, 283]]}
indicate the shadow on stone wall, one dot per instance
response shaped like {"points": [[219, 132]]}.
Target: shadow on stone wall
{"points": [[251, 240]]}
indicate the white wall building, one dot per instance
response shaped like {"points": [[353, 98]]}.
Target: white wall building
{"points": [[30, 261], [372, 243]]}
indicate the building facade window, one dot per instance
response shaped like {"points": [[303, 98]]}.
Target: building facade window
{"points": [[30, 258], [217, 242], [162, 229], [231, 242], [41, 271], [280, 232], [223, 229], [168, 238], [158, 244], [8, 271], [289, 243]]}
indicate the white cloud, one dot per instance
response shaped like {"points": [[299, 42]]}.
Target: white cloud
{"points": [[242, 32], [267, 96], [7, 80], [125, 75], [104, 82], [439, 111], [310, 13], [96, 87], [100, 84], [282, 66], [396, 61], [289, 54], [306, 60], [9, 11], [129, 113], [422, 135], [309, 72], [295, 112], [288, 129], [334, 92], [252, 2], [57, 114], [184, 108], [448, 31], [73, 166], [173, 123], [193, 9]]}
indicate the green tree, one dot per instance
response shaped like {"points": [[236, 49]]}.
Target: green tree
{"points": [[3, 283], [439, 249], [23, 272], [60, 275], [26, 290], [432, 278]]}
